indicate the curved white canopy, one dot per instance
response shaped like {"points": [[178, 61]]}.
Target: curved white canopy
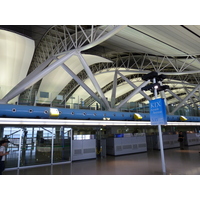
{"points": [[160, 46], [54, 82], [16, 53]]}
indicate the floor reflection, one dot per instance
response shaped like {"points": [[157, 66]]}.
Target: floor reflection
{"points": [[178, 162]]}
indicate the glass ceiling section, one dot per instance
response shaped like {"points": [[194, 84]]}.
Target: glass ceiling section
{"points": [[16, 53]]}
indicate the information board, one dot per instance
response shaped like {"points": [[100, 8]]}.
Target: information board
{"points": [[158, 112]]}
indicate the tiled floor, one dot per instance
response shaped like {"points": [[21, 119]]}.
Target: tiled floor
{"points": [[178, 162]]}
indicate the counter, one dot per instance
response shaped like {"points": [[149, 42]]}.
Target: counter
{"points": [[192, 139], [83, 149], [126, 144], [169, 141]]}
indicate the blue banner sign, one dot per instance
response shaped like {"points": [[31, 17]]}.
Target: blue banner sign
{"points": [[158, 112]]}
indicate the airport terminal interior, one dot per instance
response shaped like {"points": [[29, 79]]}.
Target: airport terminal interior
{"points": [[100, 99]]}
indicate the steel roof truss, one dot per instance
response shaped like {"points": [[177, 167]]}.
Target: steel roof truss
{"points": [[185, 99], [80, 82], [113, 96], [191, 99], [188, 92], [132, 94], [134, 86], [33, 77], [93, 80], [174, 95]]}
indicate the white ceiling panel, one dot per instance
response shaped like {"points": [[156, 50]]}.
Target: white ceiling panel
{"points": [[178, 37], [194, 28], [144, 43]]}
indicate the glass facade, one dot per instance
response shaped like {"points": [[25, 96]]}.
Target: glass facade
{"points": [[34, 145]]}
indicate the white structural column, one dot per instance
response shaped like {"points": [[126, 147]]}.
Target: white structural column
{"points": [[93, 80], [33, 77], [80, 82]]}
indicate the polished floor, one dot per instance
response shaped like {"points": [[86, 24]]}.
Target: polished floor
{"points": [[177, 162]]}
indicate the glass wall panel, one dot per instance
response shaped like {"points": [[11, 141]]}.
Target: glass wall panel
{"points": [[33, 145], [43, 144], [62, 145], [36, 145], [13, 134]]}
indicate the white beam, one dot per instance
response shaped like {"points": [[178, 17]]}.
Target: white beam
{"points": [[81, 83], [93, 80], [33, 77], [134, 86], [103, 38], [132, 94], [185, 99], [113, 96]]}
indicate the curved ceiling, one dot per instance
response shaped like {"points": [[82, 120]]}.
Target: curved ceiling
{"points": [[54, 82], [16, 53], [134, 50]]}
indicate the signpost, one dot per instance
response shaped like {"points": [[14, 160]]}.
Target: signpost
{"points": [[158, 112], [157, 108], [162, 112], [158, 117]]}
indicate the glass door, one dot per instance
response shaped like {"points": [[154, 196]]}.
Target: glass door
{"points": [[62, 145], [36, 146]]}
